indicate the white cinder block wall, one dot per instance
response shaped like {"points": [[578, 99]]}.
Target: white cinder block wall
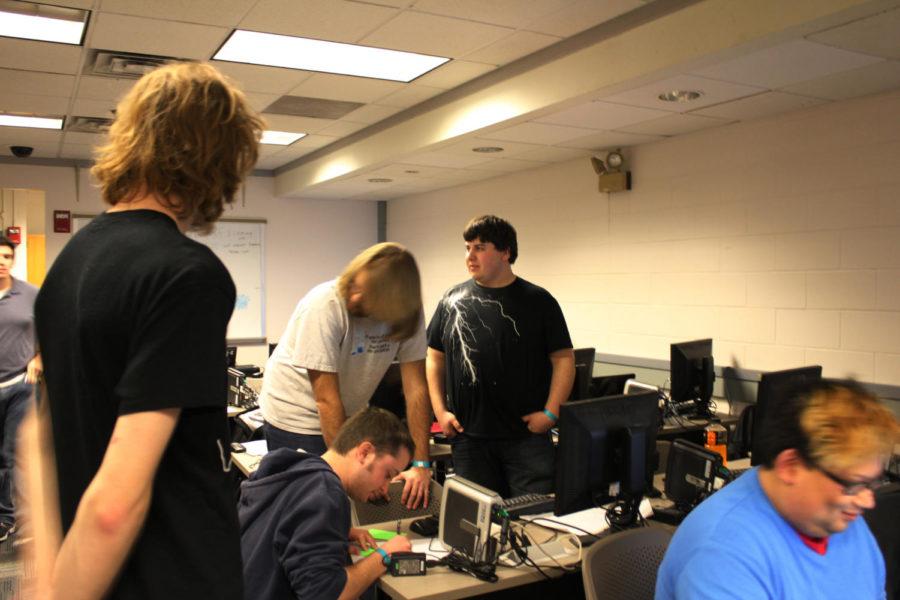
{"points": [[307, 241], [779, 238]]}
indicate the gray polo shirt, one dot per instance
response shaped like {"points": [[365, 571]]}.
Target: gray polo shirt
{"points": [[17, 337]]}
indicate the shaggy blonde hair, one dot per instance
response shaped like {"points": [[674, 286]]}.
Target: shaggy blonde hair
{"points": [[185, 135], [394, 291], [846, 425]]}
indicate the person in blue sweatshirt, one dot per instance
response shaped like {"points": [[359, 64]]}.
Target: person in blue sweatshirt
{"points": [[792, 527], [295, 513]]}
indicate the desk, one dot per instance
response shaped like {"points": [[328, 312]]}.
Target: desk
{"points": [[443, 584]]}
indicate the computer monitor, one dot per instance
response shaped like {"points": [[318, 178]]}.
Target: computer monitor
{"points": [[230, 356], [584, 371], [236, 381], [775, 387], [692, 374], [465, 521], [603, 441]]}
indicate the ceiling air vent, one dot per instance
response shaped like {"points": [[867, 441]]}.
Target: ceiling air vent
{"points": [[319, 108], [88, 124], [124, 64]]}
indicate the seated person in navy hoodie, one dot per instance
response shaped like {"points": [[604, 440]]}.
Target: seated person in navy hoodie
{"points": [[792, 527], [295, 513]]}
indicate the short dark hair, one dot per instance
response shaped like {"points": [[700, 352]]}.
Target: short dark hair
{"points": [[378, 426], [5, 241], [834, 424], [489, 228]]}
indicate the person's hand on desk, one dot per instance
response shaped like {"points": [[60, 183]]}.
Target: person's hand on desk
{"points": [[538, 422], [416, 488], [398, 543], [360, 539], [449, 425]]}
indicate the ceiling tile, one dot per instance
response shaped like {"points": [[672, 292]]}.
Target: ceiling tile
{"points": [[713, 92], [39, 56], [25, 136], [787, 63], [538, 133], [507, 13], [553, 154], [581, 15], [90, 139], [225, 13], [86, 107], [345, 87], [602, 115], [434, 35], [510, 164], [401, 172], [605, 140], [454, 73], [762, 105], [342, 128], [873, 79], [154, 36], [103, 88], [878, 35], [332, 20], [82, 4], [674, 125], [410, 95], [295, 124], [517, 45], [370, 113], [29, 103], [42, 84], [77, 151], [464, 147], [260, 101], [266, 80], [310, 142], [439, 159]]}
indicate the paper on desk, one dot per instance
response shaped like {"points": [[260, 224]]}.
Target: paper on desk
{"points": [[592, 520], [430, 546], [256, 448]]}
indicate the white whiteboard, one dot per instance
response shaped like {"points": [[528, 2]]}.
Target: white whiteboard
{"points": [[240, 245]]}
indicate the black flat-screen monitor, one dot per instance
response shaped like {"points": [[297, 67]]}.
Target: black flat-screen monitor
{"points": [[584, 371], [603, 441], [774, 387], [692, 374]]}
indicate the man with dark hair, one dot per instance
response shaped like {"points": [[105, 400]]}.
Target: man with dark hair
{"points": [[791, 527], [132, 485], [20, 368], [295, 514], [340, 341], [499, 365]]}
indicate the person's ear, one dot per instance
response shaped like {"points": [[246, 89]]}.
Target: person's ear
{"points": [[365, 452], [789, 465]]}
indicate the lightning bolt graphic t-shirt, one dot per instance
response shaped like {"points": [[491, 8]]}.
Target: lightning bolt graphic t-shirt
{"points": [[497, 344]]}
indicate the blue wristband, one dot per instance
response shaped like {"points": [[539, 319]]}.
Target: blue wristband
{"points": [[425, 464], [385, 557], [553, 417]]}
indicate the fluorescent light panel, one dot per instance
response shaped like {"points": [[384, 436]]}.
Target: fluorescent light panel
{"points": [[280, 138], [329, 57], [37, 122], [44, 23]]}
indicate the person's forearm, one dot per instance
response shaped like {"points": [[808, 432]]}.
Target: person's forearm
{"points": [[418, 415], [361, 575], [97, 545], [331, 417], [561, 381]]}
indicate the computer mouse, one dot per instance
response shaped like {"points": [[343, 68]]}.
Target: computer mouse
{"points": [[427, 527]]}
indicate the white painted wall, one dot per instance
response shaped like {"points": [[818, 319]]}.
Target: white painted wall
{"points": [[307, 241], [778, 238]]}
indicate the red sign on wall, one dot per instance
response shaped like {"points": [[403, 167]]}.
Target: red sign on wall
{"points": [[14, 234], [62, 221]]}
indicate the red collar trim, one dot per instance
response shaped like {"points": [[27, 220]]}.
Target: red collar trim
{"points": [[817, 545]]}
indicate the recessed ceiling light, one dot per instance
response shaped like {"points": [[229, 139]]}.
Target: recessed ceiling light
{"points": [[42, 22], [329, 57], [27, 121], [380, 180], [280, 138], [680, 96], [487, 149]]}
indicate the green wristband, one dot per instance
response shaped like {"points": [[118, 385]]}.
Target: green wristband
{"points": [[425, 464], [553, 417]]}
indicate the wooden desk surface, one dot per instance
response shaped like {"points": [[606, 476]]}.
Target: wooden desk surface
{"points": [[440, 583]]}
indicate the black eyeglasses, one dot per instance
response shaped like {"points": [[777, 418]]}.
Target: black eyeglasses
{"points": [[852, 488]]}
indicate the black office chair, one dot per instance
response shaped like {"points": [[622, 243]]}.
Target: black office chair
{"points": [[623, 565], [368, 512]]}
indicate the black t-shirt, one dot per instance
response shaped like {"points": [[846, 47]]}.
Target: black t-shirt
{"points": [[497, 343], [131, 318]]}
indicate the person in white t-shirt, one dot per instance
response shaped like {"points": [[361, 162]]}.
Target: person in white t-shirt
{"points": [[339, 343]]}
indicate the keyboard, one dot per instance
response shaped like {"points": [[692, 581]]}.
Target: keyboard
{"points": [[529, 504]]}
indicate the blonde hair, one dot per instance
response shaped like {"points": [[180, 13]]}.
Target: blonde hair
{"points": [[394, 291], [185, 135], [845, 425]]}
